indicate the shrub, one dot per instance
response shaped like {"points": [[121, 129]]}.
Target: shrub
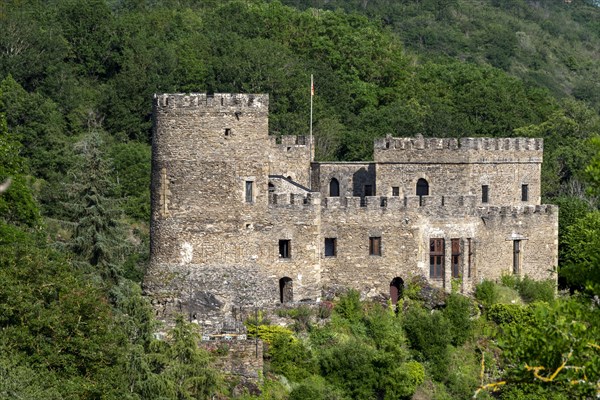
{"points": [[350, 366], [269, 333], [487, 293], [302, 317], [289, 357], [316, 388], [429, 334], [503, 314], [325, 309], [401, 381], [458, 311], [532, 291], [349, 307]]}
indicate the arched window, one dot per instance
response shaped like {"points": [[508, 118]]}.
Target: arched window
{"points": [[422, 187], [422, 190], [396, 289], [286, 291], [334, 188]]}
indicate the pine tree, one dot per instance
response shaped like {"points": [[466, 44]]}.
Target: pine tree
{"points": [[99, 238]]}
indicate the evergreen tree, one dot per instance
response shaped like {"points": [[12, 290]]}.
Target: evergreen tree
{"points": [[98, 236]]}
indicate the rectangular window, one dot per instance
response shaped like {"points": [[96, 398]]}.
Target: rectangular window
{"points": [[456, 258], [470, 270], [395, 191], [485, 193], [285, 249], [249, 191], [524, 192], [375, 245], [436, 258], [516, 257], [330, 247], [368, 190]]}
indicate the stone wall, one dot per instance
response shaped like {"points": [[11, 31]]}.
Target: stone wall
{"points": [[241, 358], [223, 240], [405, 229], [290, 156], [352, 177]]}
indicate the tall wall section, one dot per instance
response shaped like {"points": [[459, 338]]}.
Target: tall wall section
{"points": [[462, 167], [406, 227], [214, 231]]}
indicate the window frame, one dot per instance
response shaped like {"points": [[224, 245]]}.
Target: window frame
{"points": [[456, 259], [285, 249], [517, 254], [437, 255], [524, 192], [332, 246], [334, 184], [375, 246], [485, 194], [249, 191]]}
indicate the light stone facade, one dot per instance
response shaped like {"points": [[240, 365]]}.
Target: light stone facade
{"points": [[242, 219]]}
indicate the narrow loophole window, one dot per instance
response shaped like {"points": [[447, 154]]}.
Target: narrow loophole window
{"points": [[249, 191], [375, 245], [485, 193]]}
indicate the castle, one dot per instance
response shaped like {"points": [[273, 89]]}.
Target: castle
{"points": [[244, 219]]}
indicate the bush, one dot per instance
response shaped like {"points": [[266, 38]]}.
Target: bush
{"points": [[429, 334], [401, 381], [302, 316], [289, 357], [487, 293], [269, 333], [316, 388], [325, 309], [458, 311], [349, 306], [504, 314], [533, 291], [350, 366]]}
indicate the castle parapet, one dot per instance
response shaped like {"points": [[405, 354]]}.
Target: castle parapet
{"points": [[464, 150], [294, 199], [514, 211], [213, 102], [289, 140], [427, 205]]}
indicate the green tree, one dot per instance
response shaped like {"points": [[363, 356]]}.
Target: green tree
{"points": [[17, 203], [581, 265], [98, 235], [183, 366]]}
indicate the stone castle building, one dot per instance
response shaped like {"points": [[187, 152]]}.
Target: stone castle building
{"points": [[241, 218]]}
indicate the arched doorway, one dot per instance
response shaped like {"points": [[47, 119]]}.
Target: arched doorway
{"points": [[422, 189], [396, 289], [286, 290], [334, 188]]}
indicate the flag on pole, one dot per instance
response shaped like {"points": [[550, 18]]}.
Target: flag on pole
{"points": [[312, 86]]}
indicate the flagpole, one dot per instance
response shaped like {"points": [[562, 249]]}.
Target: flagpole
{"points": [[312, 93], [310, 139]]}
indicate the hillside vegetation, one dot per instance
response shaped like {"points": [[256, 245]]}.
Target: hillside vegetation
{"points": [[76, 85]]}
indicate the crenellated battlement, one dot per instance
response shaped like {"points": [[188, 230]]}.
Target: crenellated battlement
{"points": [[289, 140], [213, 102], [296, 200], [452, 150], [432, 205]]}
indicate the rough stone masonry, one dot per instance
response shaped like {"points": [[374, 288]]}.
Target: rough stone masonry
{"points": [[241, 219]]}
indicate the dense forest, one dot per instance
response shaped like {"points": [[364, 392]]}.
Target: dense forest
{"points": [[76, 85]]}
